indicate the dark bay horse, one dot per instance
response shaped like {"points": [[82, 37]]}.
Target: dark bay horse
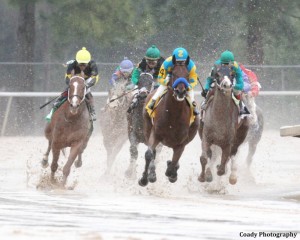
{"points": [[135, 122], [220, 126], [171, 125], [70, 126], [113, 121]]}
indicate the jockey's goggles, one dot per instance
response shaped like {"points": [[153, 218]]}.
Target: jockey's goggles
{"points": [[151, 62], [82, 64]]}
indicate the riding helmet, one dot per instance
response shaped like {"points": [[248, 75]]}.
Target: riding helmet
{"points": [[126, 65], [180, 54], [227, 57], [83, 56], [153, 53]]}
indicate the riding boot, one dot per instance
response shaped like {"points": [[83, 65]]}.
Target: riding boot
{"points": [[133, 104], [91, 107], [243, 109], [196, 112], [58, 101], [160, 90], [204, 103]]}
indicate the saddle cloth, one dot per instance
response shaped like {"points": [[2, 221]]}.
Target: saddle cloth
{"points": [[152, 113]]}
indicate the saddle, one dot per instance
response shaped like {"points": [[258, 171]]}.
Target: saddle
{"points": [[152, 113]]}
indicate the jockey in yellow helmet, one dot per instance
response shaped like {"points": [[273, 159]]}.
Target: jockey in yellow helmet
{"points": [[82, 63]]}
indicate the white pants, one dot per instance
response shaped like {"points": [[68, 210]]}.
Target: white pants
{"points": [[191, 95], [159, 92]]}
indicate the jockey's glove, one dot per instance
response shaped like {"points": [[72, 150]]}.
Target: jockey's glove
{"points": [[90, 82], [204, 93]]}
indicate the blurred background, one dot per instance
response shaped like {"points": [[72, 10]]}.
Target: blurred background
{"points": [[39, 36]]}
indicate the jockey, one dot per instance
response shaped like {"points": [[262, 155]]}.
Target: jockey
{"points": [[151, 63], [82, 63], [251, 89], [227, 58], [123, 71], [179, 55]]}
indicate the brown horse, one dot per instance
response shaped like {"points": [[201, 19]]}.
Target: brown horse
{"points": [[171, 125], [220, 126], [70, 127]]}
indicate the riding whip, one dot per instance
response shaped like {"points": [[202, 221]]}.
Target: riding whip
{"points": [[44, 105], [122, 95]]}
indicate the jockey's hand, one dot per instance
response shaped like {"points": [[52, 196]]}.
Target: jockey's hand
{"points": [[90, 82], [204, 93]]}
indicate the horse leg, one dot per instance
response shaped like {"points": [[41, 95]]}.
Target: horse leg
{"points": [[66, 170], [149, 157], [78, 162], [203, 159], [208, 173], [46, 155], [54, 164], [224, 159], [173, 165], [131, 170]]}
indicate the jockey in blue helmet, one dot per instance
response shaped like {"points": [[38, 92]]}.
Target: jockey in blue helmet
{"points": [[180, 55], [123, 71]]}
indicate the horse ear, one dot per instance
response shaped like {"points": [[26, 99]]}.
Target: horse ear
{"points": [[173, 60], [187, 61]]}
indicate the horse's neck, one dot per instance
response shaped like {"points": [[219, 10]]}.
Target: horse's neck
{"points": [[73, 117], [174, 107], [221, 104]]}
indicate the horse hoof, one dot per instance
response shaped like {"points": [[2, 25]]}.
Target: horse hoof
{"points": [[78, 164], [220, 172], [208, 178], [232, 180], [201, 178], [152, 178], [172, 180], [44, 163], [143, 182]]}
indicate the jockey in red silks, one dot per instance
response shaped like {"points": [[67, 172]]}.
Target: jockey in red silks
{"points": [[251, 89]]}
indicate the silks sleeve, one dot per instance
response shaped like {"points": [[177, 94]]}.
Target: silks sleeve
{"points": [[135, 76]]}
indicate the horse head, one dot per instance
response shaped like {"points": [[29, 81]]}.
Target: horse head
{"points": [[76, 93], [145, 84], [223, 79], [179, 80]]}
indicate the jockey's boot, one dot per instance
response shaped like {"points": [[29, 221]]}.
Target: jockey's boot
{"points": [[196, 112], [151, 104], [243, 109], [58, 101], [133, 104], [204, 103], [91, 107]]}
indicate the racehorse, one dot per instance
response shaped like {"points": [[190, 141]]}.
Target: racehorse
{"points": [[70, 126], [220, 126], [135, 121], [171, 125], [255, 129], [113, 121]]}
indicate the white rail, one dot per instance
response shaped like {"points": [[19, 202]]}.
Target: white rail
{"points": [[103, 94]]}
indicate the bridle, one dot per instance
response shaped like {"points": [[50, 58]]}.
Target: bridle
{"points": [[81, 98]]}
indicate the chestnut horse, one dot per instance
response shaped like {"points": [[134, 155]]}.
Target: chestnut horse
{"points": [[135, 122], [220, 126], [171, 125], [70, 126]]}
